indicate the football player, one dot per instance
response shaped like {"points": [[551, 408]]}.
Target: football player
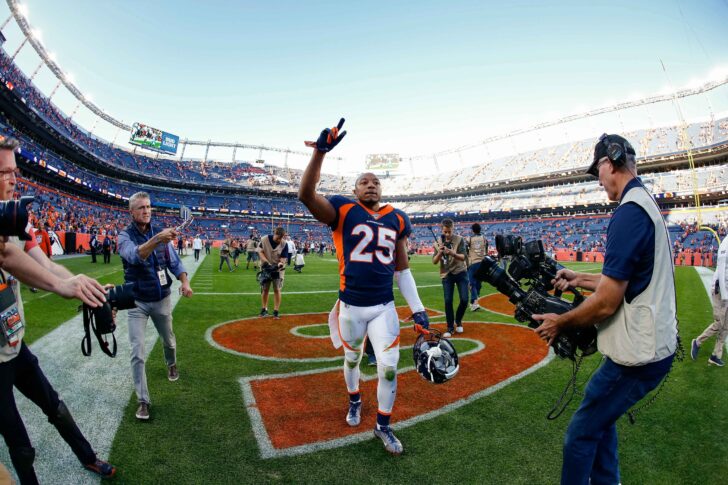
{"points": [[371, 246]]}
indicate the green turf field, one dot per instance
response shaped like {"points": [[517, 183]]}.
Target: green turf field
{"points": [[201, 432]]}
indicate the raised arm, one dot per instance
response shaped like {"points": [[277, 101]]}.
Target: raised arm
{"points": [[319, 206]]}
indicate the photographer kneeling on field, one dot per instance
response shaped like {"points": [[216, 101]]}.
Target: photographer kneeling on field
{"points": [[634, 308], [18, 366], [273, 252]]}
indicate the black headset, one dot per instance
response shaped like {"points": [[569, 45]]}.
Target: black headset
{"points": [[616, 152]]}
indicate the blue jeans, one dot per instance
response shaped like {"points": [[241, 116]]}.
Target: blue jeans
{"points": [[448, 285], [474, 284], [590, 445]]}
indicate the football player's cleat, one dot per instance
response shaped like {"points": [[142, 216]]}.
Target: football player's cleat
{"points": [[436, 360], [353, 417], [391, 443]]}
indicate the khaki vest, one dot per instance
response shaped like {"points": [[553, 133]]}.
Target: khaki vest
{"points": [[272, 255], [645, 330], [7, 352], [477, 248], [454, 266]]}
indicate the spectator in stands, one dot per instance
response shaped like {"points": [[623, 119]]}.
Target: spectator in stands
{"points": [[719, 297], [634, 302], [18, 366], [450, 255], [148, 257], [273, 253], [477, 250]]}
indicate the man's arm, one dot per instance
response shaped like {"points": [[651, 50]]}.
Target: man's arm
{"points": [[40, 257], [319, 206], [24, 268], [606, 299], [134, 254], [566, 278]]}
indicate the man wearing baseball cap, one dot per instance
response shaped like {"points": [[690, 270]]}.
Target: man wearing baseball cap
{"points": [[634, 309]]}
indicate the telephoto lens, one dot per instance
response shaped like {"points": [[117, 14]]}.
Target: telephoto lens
{"points": [[14, 217]]}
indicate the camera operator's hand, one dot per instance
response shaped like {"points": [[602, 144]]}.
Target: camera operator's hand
{"points": [[328, 139], [565, 278], [167, 235], [84, 288], [549, 328]]}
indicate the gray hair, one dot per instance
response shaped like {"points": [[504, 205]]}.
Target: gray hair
{"points": [[8, 143], [137, 196]]}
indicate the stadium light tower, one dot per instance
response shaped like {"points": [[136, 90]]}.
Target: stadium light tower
{"points": [[17, 51], [6, 22], [55, 88]]}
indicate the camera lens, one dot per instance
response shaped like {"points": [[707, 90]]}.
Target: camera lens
{"points": [[14, 217]]}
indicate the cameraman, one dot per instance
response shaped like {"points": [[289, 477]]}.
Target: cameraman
{"points": [[18, 366], [148, 256], [477, 250], [450, 254], [273, 252], [634, 308]]}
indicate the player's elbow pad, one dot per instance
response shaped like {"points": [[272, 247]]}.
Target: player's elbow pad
{"points": [[408, 288]]}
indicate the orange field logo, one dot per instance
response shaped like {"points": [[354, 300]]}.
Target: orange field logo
{"points": [[304, 411]]}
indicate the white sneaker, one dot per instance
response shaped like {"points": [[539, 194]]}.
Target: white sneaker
{"points": [[447, 335], [459, 329], [475, 307]]}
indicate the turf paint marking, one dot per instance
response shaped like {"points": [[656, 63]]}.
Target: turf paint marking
{"points": [[302, 412]]}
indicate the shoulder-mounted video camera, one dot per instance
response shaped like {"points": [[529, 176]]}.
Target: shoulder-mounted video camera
{"points": [[100, 320], [529, 262]]}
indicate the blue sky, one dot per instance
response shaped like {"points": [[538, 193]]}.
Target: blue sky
{"points": [[410, 77]]}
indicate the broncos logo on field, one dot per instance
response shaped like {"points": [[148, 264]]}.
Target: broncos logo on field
{"points": [[502, 354]]}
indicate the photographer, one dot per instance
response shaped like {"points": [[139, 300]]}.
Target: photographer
{"points": [[450, 254], [634, 308], [273, 253], [251, 247], [148, 256], [477, 250], [18, 366], [225, 255]]}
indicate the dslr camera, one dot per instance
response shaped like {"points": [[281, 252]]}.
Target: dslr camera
{"points": [[530, 263], [100, 320], [267, 273]]}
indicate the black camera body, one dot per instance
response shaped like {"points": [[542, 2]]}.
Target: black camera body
{"points": [[531, 263], [101, 319], [268, 273], [14, 217]]}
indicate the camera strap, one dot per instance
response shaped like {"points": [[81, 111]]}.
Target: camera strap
{"points": [[89, 324], [10, 321]]}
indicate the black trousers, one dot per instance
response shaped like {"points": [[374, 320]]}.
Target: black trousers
{"points": [[107, 256], [24, 373]]}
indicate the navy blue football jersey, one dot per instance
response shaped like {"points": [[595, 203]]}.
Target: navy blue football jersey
{"points": [[365, 243]]}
